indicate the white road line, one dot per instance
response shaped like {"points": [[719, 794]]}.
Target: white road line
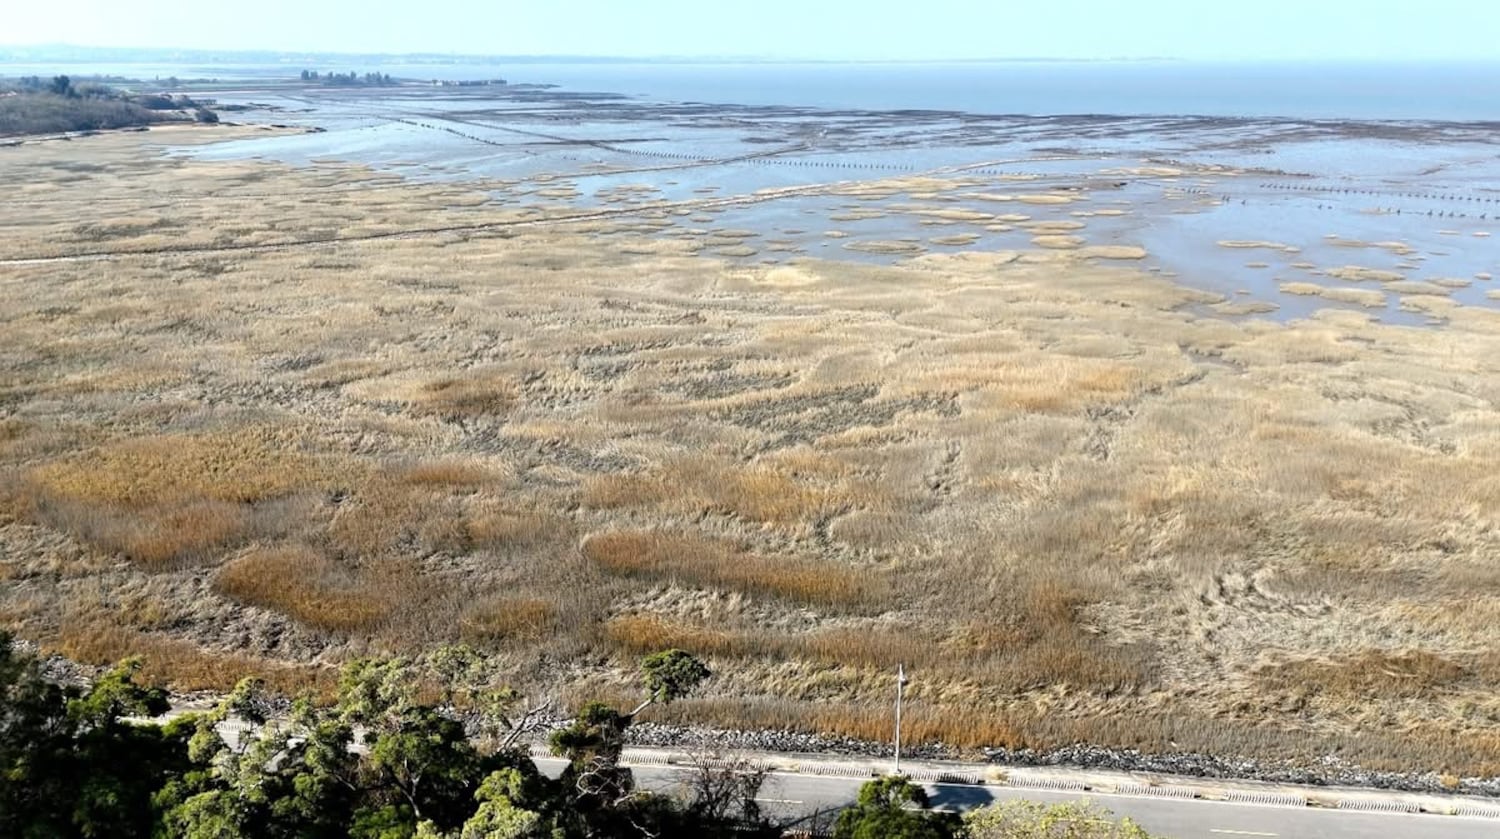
{"points": [[1241, 832], [778, 801]]}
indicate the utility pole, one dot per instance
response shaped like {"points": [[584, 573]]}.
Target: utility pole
{"points": [[900, 685]]}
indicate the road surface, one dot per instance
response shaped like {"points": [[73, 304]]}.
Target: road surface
{"points": [[795, 795]]}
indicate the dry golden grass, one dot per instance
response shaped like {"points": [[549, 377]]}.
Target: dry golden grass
{"points": [[243, 466], [1061, 663], [165, 501], [183, 665], [1368, 675], [1079, 501], [470, 396], [690, 559], [846, 647], [767, 492], [313, 589], [384, 517], [508, 619], [447, 473]]}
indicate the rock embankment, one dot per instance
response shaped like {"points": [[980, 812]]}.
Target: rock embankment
{"points": [[1326, 772]]}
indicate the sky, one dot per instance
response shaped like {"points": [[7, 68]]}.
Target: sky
{"points": [[784, 29]]}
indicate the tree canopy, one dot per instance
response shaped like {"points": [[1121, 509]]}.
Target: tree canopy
{"points": [[894, 808], [382, 763], [378, 763]]}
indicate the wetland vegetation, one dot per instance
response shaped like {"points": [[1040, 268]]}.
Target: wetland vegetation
{"points": [[263, 419]]}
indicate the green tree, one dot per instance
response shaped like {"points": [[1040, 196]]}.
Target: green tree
{"points": [[500, 814], [669, 676], [1034, 820], [893, 808], [597, 795], [70, 765]]}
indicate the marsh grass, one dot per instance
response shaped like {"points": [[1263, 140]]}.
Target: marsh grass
{"points": [[1062, 664], [184, 665], [162, 502], [690, 559], [1084, 504], [768, 492], [466, 397], [316, 590], [1371, 674], [506, 619]]}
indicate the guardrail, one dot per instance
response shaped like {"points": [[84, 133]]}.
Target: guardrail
{"points": [[1053, 784], [1280, 799], [1375, 805], [1129, 788]]}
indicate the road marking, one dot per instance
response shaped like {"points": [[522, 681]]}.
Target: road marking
{"points": [[778, 801], [1241, 832]]}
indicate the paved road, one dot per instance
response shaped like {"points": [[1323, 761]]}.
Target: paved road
{"points": [[788, 794]]}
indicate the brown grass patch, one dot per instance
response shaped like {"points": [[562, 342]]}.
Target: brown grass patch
{"points": [[497, 619], [1371, 674], [853, 648], [466, 397], [957, 726], [313, 589], [493, 525], [448, 473], [182, 665], [163, 537], [167, 501], [693, 560], [244, 466], [766, 492], [384, 517], [1062, 663]]}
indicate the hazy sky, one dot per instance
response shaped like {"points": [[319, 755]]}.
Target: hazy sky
{"points": [[872, 29]]}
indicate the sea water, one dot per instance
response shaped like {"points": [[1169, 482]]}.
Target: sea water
{"points": [[1451, 91]]}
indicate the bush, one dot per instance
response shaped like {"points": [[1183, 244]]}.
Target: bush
{"points": [[1034, 820]]}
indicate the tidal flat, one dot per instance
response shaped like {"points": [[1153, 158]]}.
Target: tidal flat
{"points": [[1113, 438]]}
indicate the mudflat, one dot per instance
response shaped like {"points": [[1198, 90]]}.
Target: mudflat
{"points": [[256, 417]]}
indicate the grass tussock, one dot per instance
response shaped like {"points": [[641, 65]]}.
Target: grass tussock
{"points": [[466, 397], [163, 502], [243, 466], [437, 512], [1371, 674], [314, 589], [502, 619], [447, 473], [853, 648], [693, 560], [184, 665], [765, 492], [386, 518], [164, 537]]}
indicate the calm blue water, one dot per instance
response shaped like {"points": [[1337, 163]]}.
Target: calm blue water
{"points": [[1446, 91], [1465, 92]]}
